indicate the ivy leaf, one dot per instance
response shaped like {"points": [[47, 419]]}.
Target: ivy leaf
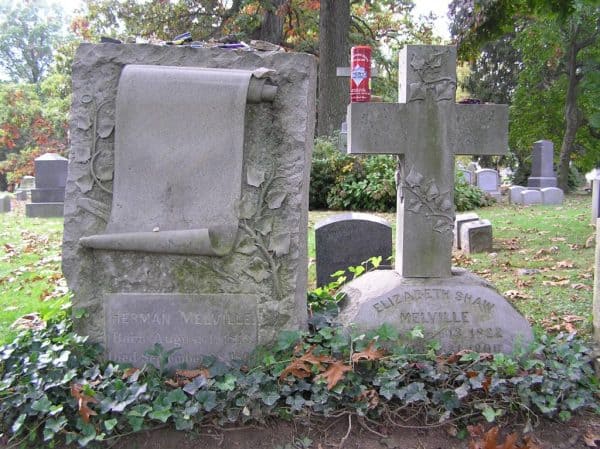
{"points": [[227, 383], [246, 246], [246, 207], [414, 178], [432, 192], [334, 373], [414, 206], [274, 199], [18, 423], [110, 424], [53, 426], [105, 127], [258, 269], [280, 244], [413, 392], [208, 399], [194, 385], [162, 414], [270, 397], [489, 414], [42, 405], [85, 183], [255, 176], [105, 173], [264, 226]]}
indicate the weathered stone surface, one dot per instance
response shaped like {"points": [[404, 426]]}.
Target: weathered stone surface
{"points": [[514, 194], [529, 197], [458, 222], [428, 128], [268, 260], [542, 171], [552, 195], [50, 171], [4, 202], [595, 200], [44, 210], [476, 237], [488, 180], [462, 312], [349, 239], [223, 324]]}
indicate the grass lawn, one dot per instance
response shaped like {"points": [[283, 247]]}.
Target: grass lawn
{"points": [[548, 241]]}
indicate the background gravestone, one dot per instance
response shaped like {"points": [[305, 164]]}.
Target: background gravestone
{"points": [[542, 172], [349, 239], [5, 202], [23, 191], [194, 276], [595, 200], [488, 180], [458, 223], [514, 194], [47, 198]]}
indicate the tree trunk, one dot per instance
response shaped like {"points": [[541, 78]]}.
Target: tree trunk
{"points": [[572, 115], [271, 28], [334, 91]]}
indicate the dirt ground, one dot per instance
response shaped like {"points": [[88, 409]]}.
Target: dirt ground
{"points": [[580, 433]]}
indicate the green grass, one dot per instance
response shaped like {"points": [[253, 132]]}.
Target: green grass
{"points": [[30, 274], [549, 239]]}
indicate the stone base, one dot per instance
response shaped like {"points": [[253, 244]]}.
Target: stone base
{"points": [[44, 210], [541, 182], [47, 195], [461, 312]]}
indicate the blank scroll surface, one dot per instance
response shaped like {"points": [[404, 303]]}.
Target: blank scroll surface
{"points": [[179, 140]]}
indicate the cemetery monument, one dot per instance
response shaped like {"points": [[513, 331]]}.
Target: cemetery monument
{"points": [[48, 194], [426, 129], [186, 207]]}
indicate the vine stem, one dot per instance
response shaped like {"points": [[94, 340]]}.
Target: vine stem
{"points": [[265, 252]]}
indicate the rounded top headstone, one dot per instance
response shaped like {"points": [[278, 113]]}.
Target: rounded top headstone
{"points": [[50, 157]]}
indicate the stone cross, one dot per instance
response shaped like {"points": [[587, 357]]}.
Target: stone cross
{"points": [[426, 129]]}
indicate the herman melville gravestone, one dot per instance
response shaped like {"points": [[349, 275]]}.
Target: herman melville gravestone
{"points": [[426, 129], [186, 202]]}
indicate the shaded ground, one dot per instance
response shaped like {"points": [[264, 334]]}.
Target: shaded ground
{"points": [[578, 434]]}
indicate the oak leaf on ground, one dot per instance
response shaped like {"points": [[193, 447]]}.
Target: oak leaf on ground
{"points": [[82, 402], [334, 373], [370, 353]]}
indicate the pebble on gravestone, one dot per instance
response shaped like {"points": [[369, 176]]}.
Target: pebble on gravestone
{"points": [[531, 197], [190, 229], [514, 194], [552, 195], [476, 237], [458, 222], [427, 127], [47, 198], [542, 172], [349, 239]]}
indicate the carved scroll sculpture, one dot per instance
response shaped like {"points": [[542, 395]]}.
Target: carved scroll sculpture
{"points": [[179, 140]]}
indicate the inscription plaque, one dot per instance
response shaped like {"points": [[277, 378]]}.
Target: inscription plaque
{"points": [[202, 324]]}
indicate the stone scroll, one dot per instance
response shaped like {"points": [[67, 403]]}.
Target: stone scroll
{"points": [[186, 205], [178, 130]]}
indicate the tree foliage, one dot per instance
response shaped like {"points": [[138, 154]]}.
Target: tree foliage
{"points": [[544, 58], [29, 31]]}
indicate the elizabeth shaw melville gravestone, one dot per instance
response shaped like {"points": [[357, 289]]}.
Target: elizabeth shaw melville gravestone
{"points": [[185, 225], [427, 128]]}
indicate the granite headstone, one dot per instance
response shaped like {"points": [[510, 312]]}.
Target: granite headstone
{"points": [[595, 200], [186, 206], [542, 172], [349, 239], [47, 198], [5, 202], [488, 180]]}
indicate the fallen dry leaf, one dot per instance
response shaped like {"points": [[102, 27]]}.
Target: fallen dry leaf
{"points": [[561, 283], [82, 402], [579, 286], [368, 354], [558, 239], [516, 294], [565, 264], [301, 367], [590, 439], [30, 321], [334, 373]]}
